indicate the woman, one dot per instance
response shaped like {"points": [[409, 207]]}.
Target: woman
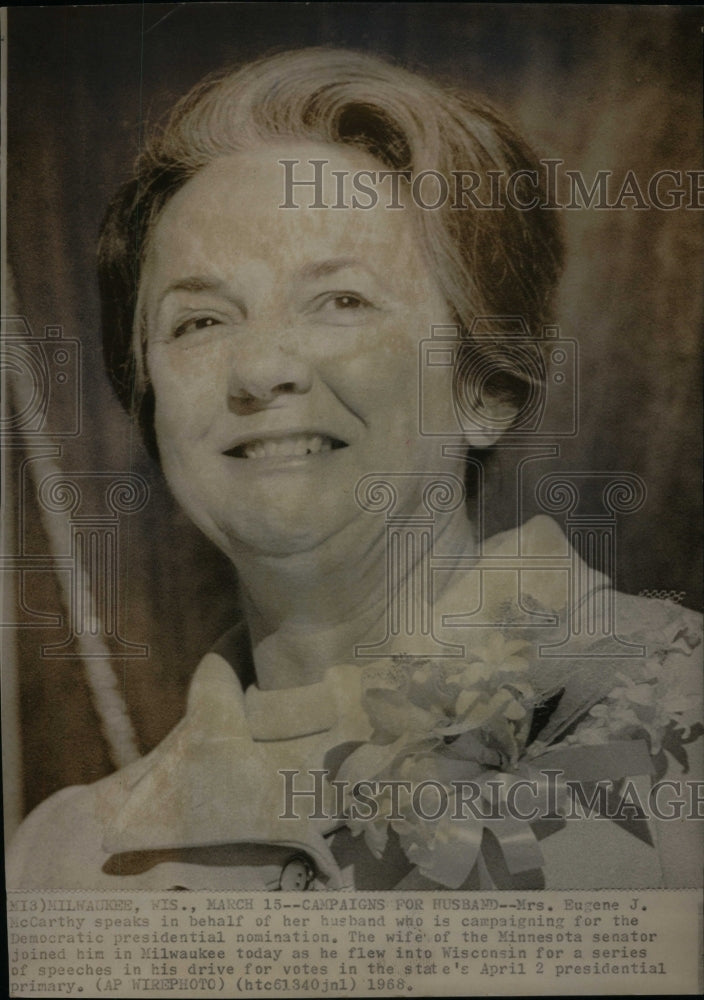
{"points": [[269, 278]]}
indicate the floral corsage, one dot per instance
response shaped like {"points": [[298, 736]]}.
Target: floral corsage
{"points": [[462, 749]]}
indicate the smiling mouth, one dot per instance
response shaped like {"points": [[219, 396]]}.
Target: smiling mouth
{"points": [[291, 446]]}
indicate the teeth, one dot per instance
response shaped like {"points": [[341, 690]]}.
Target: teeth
{"points": [[293, 446]]}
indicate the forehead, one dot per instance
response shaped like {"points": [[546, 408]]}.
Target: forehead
{"points": [[233, 208]]}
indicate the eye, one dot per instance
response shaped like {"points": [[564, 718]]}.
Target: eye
{"points": [[343, 307], [194, 325], [347, 302]]}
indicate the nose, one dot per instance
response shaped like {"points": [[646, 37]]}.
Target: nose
{"points": [[263, 375]]}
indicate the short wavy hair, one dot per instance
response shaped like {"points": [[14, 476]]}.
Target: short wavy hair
{"points": [[499, 262]]}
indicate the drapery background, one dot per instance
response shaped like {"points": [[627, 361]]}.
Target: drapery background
{"points": [[601, 88]]}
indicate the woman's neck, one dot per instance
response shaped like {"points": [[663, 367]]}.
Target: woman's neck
{"points": [[307, 611]]}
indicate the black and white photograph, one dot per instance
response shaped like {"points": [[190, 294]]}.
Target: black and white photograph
{"points": [[351, 496]]}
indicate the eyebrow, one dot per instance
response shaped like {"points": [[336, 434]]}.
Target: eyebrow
{"points": [[197, 283], [192, 284], [310, 272], [323, 268]]}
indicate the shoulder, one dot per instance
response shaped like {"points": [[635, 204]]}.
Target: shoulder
{"points": [[540, 535], [681, 625], [66, 841], [667, 635], [59, 843], [555, 576]]}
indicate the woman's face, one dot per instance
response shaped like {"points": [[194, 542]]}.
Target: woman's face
{"points": [[283, 349]]}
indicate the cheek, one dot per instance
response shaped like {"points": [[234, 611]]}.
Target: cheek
{"points": [[186, 387], [387, 362]]}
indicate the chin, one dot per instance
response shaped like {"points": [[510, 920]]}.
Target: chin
{"points": [[277, 536]]}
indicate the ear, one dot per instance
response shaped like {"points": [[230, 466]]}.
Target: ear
{"points": [[489, 422]]}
